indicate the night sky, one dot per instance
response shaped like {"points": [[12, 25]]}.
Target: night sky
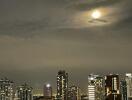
{"points": [[40, 37]]}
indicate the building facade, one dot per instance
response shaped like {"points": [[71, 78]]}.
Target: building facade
{"points": [[48, 92], [112, 87], [123, 86], [6, 89], [95, 87], [84, 97], [129, 85], [62, 85], [24, 92], [73, 93]]}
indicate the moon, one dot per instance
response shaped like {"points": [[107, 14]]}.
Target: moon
{"points": [[96, 14]]}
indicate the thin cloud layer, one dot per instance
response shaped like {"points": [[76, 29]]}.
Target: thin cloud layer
{"points": [[40, 35]]}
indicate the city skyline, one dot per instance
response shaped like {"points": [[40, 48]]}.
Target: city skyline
{"points": [[40, 89], [40, 37], [99, 87]]}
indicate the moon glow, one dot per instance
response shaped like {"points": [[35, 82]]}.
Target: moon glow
{"points": [[96, 14]]}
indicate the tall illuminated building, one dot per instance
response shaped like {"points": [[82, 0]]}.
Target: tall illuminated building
{"points": [[62, 85], [123, 86], [129, 85], [74, 93], [6, 89], [95, 87], [112, 87], [24, 92], [47, 91]]}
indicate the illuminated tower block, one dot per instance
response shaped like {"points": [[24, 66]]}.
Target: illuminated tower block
{"points": [[112, 87], [62, 85], [6, 89], [95, 87]]}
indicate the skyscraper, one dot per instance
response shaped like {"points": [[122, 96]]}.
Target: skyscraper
{"points": [[24, 92], [62, 85], [129, 85], [112, 87], [47, 91], [123, 86], [6, 89], [95, 87]]}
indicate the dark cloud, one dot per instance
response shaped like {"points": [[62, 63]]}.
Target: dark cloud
{"points": [[88, 5]]}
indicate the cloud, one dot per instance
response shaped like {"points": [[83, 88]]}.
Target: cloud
{"points": [[41, 35], [92, 4], [41, 17]]}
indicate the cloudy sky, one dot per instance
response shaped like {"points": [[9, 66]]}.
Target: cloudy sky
{"points": [[39, 37]]}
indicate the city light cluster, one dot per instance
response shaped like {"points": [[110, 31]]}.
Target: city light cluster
{"points": [[99, 87]]}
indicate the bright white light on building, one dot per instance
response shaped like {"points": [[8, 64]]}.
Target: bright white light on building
{"points": [[128, 74], [48, 85]]}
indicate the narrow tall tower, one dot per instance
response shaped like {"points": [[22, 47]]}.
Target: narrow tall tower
{"points": [[62, 85], [129, 85]]}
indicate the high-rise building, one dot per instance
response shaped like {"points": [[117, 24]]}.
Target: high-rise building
{"points": [[24, 92], [129, 85], [95, 87], [6, 89], [73, 93], [123, 86], [62, 85], [99, 88], [47, 91], [112, 87]]}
